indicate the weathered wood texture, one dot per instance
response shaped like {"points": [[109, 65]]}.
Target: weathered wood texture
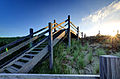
{"points": [[59, 25], [50, 46], [69, 33], [35, 59], [109, 67], [54, 25], [78, 32], [73, 24], [31, 36], [12, 50], [47, 76], [19, 40]]}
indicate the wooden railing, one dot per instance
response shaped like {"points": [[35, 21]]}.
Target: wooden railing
{"points": [[52, 29]]}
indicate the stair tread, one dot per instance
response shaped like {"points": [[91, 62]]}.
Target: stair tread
{"points": [[19, 63], [30, 54], [35, 51], [23, 58], [38, 48], [12, 67], [10, 70]]}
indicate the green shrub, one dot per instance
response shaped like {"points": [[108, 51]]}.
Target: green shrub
{"points": [[80, 62], [89, 57], [96, 69], [100, 52]]}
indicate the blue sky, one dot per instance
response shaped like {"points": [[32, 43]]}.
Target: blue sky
{"points": [[17, 16]]}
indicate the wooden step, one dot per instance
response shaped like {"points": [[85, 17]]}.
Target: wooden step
{"points": [[38, 48], [35, 51], [26, 59], [30, 54], [12, 67], [10, 70], [19, 63]]}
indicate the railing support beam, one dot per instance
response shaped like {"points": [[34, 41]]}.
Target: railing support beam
{"points": [[50, 46], [78, 32], [31, 36], [69, 33], [54, 26]]}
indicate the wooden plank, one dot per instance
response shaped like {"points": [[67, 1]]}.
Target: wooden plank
{"points": [[31, 36], [12, 67], [12, 62], [50, 46], [59, 38], [69, 33], [10, 51], [55, 25], [73, 25], [58, 25], [58, 30], [78, 32], [10, 70], [41, 30], [39, 48], [14, 42], [73, 32], [109, 67], [47, 76], [30, 54], [26, 59], [35, 51], [29, 65], [19, 63], [73, 28], [62, 26]]}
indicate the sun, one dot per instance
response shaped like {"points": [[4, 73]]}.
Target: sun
{"points": [[113, 34]]}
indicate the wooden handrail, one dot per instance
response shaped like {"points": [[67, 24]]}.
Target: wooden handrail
{"points": [[59, 24], [19, 40], [10, 51], [73, 28], [73, 24], [40, 30], [59, 29], [14, 42]]}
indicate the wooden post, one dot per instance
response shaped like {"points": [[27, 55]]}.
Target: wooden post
{"points": [[109, 67], [78, 32], [31, 36], [69, 33], [54, 26], [81, 34], [50, 46], [82, 38]]}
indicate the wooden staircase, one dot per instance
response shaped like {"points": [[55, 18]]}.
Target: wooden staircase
{"points": [[27, 60]]}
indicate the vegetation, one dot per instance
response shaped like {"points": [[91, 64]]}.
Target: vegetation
{"points": [[7, 40], [70, 60], [77, 59]]}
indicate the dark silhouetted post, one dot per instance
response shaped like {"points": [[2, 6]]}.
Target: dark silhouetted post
{"points": [[78, 32], [54, 26], [109, 67], [31, 36], [69, 33], [84, 35], [81, 34], [50, 46], [82, 38]]}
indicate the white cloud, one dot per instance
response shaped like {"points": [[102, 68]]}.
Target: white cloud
{"points": [[106, 17]]}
